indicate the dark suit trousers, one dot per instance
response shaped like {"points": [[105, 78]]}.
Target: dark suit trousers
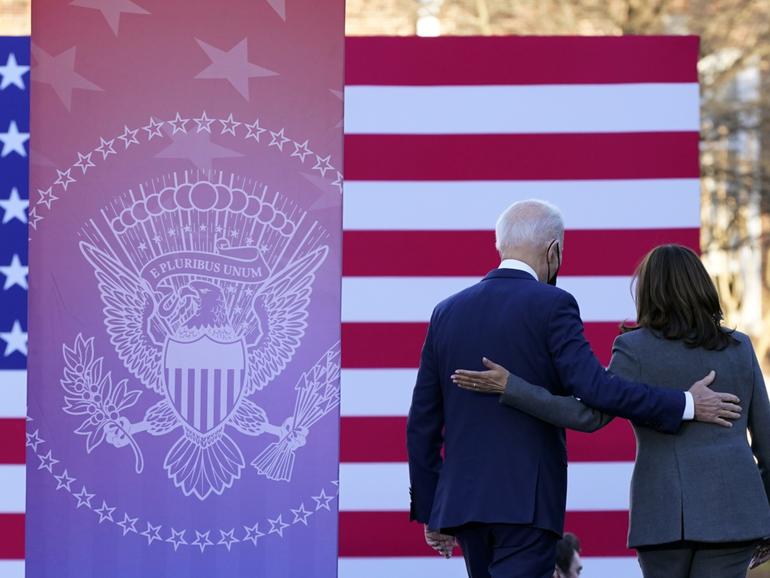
{"points": [[696, 560], [507, 551]]}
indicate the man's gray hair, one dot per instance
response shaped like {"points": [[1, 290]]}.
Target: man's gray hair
{"points": [[530, 223]]}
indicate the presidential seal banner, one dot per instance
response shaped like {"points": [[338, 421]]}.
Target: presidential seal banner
{"points": [[185, 241]]}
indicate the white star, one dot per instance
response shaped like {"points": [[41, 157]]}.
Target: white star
{"points": [[254, 130], [105, 513], [105, 147], [34, 440], [14, 207], [322, 501], [111, 10], [187, 229], [232, 65], [64, 480], [277, 526], [203, 228], [252, 533], [228, 125], [64, 178], [128, 524], [15, 274], [249, 241], [301, 151], [204, 122], [171, 233], [202, 540], [178, 124], [129, 136], [59, 72], [338, 182], [34, 218], [153, 129], [301, 515], [157, 238], [15, 340], [47, 462], [13, 141], [12, 73], [322, 164], [234, 233], [46, 197], [84, 161], [228, 539], [278, 139], [177, 539], [152, 533], [142, 246], [279, 6], [84, 498]]}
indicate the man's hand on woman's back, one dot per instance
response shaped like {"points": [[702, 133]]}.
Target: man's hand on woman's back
{"points": [[712, 406]]}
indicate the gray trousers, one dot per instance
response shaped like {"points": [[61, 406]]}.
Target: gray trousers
{"points": [[696, 560]]}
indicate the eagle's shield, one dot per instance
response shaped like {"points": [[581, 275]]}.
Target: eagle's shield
{"points": [[204, 380]]}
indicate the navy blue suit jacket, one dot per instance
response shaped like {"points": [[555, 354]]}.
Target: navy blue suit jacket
{"points": [[500, 465]]}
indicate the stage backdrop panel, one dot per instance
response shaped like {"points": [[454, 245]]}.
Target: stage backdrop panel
{"points": [[443, 134], [14, 176], [185, 293]]}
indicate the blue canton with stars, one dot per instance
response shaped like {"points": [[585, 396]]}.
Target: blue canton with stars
{"points": [[14, 195]]}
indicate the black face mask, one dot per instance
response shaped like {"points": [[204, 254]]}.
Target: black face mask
{"points": [[551, 280]]}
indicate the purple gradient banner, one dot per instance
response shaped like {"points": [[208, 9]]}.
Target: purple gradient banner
{"points": [[185, 252]]}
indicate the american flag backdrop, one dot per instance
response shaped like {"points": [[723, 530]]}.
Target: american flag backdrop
{"points": [[443, 134], [14, 175]]}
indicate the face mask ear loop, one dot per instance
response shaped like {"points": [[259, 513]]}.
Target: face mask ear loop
{"points": [[549, 280]]}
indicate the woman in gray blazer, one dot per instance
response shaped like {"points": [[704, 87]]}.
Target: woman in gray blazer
{"points": [[699, 499]]}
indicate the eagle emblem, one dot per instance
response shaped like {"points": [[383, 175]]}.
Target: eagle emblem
{"points": [[205, 293]]}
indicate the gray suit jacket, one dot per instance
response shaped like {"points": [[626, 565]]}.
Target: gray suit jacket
{"points": [[702, 484]]}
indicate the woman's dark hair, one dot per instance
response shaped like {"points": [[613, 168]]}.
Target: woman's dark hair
{"points": [[565, 551], [676, 297]]}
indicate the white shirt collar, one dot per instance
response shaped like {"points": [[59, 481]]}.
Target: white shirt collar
{"points": [[519, 266]]}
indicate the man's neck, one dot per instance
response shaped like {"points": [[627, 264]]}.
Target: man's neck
{"points": [[519, 265]]}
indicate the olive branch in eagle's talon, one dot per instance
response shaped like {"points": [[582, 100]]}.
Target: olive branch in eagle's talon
{"points": [[89, 393]]}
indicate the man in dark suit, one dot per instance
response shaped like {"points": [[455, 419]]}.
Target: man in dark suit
{"points": [[500, 487]]}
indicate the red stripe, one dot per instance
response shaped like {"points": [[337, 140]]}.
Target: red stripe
{"points": [[11, 536], [13, 446], [646, 155], [398, 345], [383, 439], [520, 60], [589, 252], [601, 534]]}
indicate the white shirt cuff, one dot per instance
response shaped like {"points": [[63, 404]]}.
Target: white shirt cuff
{"points": [[689, 407]]}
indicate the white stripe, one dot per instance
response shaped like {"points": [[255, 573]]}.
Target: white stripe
{"points": [[592, 486], [475, 205], [521, 109], [209, 399], [185, 393], [13, 393], [12, 489], [11, 568], [197, 398], [412, 299], [435, 567], [376, 392]]}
